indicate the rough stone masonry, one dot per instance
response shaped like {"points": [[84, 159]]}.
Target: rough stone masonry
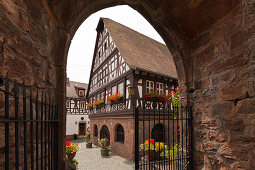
{"points": [[212, 42]]}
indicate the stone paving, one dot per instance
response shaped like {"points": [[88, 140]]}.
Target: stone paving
{"points": [[90, 159]]}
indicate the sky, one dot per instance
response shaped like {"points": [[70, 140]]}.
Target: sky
{"points": [[81, 50]]}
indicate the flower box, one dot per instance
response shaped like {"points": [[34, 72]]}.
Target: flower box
{"points": [[99, 106], [114, 99], [98, 103], [152, 155]]}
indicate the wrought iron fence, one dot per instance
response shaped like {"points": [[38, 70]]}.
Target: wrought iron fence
{"points": [[163, 136], [30, 126]]}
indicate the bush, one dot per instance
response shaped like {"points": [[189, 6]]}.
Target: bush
{"points": [[104, 145], [87, 138]]}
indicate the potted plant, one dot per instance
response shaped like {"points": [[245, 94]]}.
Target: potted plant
{"points": [[171, 154], [152, 149], [89, 106], [88, 141], [74, 164], [71, 149], [105, 148], [175, 97]]}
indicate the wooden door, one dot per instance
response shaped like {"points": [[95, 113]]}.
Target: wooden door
{"points": [[82, 129]]}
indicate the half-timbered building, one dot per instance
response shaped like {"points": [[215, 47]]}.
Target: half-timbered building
{"points": [[77, 122], [124, 58]]}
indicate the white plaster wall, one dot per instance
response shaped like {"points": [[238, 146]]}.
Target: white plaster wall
{"points": [[72, 127]]}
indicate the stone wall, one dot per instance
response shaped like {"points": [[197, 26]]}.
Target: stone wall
{"points": [[224, 79], [212, 43], [25, 53]]}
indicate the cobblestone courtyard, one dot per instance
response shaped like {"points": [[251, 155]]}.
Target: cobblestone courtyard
{"points": [[90, 159]]}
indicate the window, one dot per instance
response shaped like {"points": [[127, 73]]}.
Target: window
{"points": [[105, 45], [157, 133], [120, 134], [120, 88], [95, 131], [68, 104], [149, 86], [81, 92], [82, 104], [113, 90], [159, 88]]}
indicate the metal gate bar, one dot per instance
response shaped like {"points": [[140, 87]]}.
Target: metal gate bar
{"points": [[163, 136], [42, 146]]}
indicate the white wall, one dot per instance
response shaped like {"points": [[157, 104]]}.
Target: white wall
{"points": [[72, 127]]}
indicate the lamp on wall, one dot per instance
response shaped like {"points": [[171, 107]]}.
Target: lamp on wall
{"points": [[75, 122], [131, 91]]}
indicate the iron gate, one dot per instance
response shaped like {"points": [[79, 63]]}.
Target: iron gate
{"points": [[163, 136], [29, 127]]}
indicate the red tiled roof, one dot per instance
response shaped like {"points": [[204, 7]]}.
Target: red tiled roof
{"points": [[71, 88], [140, 51]]}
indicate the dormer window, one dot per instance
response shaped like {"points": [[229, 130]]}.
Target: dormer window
{"points": [[81, 93]]}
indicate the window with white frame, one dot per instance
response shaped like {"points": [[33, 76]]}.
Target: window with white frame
{"points": [[120, 88], [82, 104], [149, 86], [113, 90], [159, 88]]}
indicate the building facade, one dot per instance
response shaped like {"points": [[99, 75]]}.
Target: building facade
{"points": [[124, 58], [77, 121]]}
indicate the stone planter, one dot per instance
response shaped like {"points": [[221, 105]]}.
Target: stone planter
{"points": [[88, 145], [105, 153], [152, 155], [71, 156]]}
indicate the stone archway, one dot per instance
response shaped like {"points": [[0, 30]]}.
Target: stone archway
{"points": [[157, 133], [105, 133], [213, 47]]}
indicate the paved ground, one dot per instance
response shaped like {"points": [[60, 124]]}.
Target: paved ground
{"points": [[90, 159]]}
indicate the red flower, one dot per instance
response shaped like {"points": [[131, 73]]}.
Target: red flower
{"points": [[178, 130], [68, 143], [152, 141]]}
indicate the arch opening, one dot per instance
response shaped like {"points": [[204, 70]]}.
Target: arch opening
{"points": [[157, 133], [105, 133], [120, 134]]}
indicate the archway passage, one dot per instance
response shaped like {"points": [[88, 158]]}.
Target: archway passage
{"points": [[95, 131], [120, 135], [157, 133], [105, 133]]}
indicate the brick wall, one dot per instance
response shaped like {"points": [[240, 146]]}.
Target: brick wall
{"points": [[125, 150]]}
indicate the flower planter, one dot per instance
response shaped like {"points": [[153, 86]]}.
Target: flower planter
{"points": [[104, 153], [150, 99], [117, 101], [88, 145], [71, 156], [99, 106], [152, 155]]}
